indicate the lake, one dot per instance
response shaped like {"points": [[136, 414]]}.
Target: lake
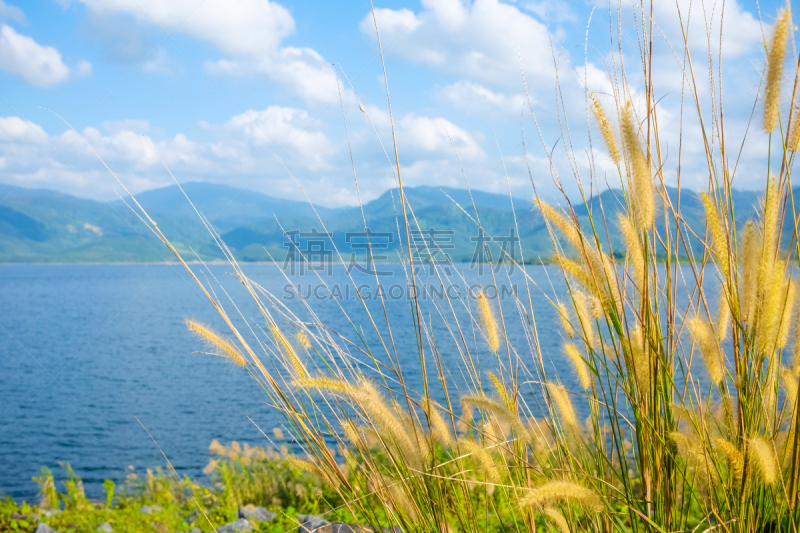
{"points": [[96, 356]]}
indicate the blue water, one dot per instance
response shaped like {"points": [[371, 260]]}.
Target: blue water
{"points": [[93, 357]]}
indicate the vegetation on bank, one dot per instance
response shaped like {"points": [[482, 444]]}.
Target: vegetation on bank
{"points": [[239, 475]]}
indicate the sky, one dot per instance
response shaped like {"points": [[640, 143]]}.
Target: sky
{"points": [[288, 98]]}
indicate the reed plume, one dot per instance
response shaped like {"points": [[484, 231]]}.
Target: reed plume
{"points": [[789, 378], [295, 364], [557, 219], [563, 404], [762, 458], [640, 179], [489, 322], [734, 456], [605, 130], [563, 315], [557, 519], [702, 334], [441, 430], [723, 315], [581, 369], [775, 58], [499, 410], [501, 391], [562, 492], [482, 456], [787, 311], [303, 340], [229, 351], [794, 135], [719, 236], [634, 251], [751, 251]]}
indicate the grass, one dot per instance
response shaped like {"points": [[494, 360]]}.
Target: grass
{"points": [[691, 389]]}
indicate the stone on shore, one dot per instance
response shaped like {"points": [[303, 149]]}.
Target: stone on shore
{"points": [[105, 526], [146, 509], [237, 525], [256, 514], [310, 522], [44, 528]]}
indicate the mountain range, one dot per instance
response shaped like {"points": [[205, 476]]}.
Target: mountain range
{"points": [[38, 225]]}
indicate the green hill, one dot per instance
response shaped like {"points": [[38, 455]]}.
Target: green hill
{"points": [[39, 225]]}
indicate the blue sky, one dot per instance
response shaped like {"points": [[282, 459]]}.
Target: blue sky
{"points": [[242, 92]]}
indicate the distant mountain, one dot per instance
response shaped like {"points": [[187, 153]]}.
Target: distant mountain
{"points": [[226, 207], [39, 225]]}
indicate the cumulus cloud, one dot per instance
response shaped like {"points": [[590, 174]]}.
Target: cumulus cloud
{"points": [[482, 40], [12, 13], [248, 32], [38, 65], [478, 99], [233, 26]]}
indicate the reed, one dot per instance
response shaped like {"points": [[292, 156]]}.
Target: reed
{"points": [[650, 441]]}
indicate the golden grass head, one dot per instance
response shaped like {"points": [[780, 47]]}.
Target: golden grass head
{"points": [[640, 179], [762, 458], [303, 340], [634, 251], [578, 363], [296, 366], [775, 57], [750, 253], [557, 519], [719, 235], [563, 315], [562, 492], [229, 351], [605, 130], [703, 335], [483, 458], [560, 221], [563, 404], [489, 322], [734, 456]]}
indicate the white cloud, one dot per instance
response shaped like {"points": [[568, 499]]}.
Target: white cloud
{"points": [[282, 126], [478, 99], [302, 71], [434, 135], [248, 32], [234, 26], [38, 65], [482, 40], [12, 13], [15, 129]]}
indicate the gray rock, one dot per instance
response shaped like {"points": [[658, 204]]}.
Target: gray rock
{"points": [[105, 526], [146, 509], [196, 530], [310, 522], [237, 525], [44, 528], [193, 516], [256, 514]]}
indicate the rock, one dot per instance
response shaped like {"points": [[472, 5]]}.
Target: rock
{"points": [[310, 522], [237, 525], [44, 528], [195, 530], [105, 526], [193, 516], [51, 512], [157, 508], [146, 509], [256, 514]]}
